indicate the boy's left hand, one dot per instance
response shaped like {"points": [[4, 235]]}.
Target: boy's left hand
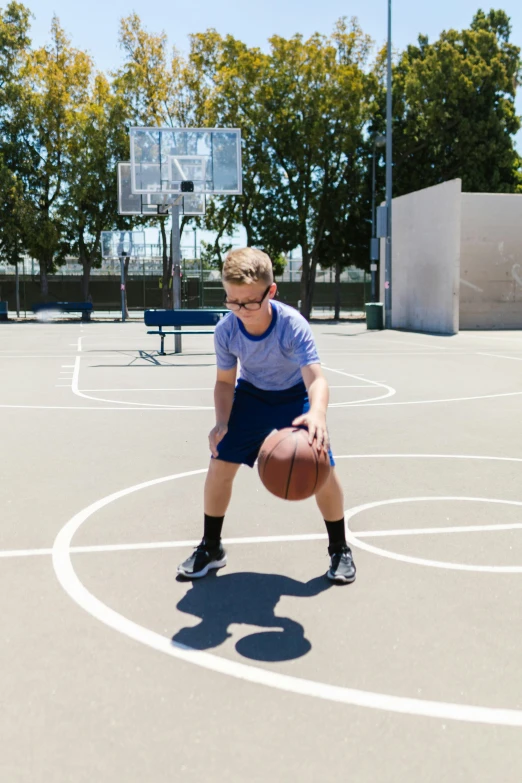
{"points": [[316, 424]]}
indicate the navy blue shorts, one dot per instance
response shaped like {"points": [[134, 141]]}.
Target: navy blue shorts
{"points": [[255, 414]]}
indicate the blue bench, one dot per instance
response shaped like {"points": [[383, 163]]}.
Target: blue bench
{"points": [[179, 319], [85, 308], [3, 311]]}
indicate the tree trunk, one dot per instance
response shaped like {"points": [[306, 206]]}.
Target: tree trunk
{"points": [[167, 268], [304, 288], [17, 289], [307, 281], [44, 280], [86, 279], [337, 313]]}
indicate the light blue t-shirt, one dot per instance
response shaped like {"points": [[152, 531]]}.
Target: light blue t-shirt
{"points": [[270, 361]]}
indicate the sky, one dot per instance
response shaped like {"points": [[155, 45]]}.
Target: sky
{"points": [[93, 25]]}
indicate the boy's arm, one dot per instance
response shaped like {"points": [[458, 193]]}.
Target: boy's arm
{"points": [[318, 392], [223, 399]]}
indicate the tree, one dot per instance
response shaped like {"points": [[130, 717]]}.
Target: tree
{"points": [[98, 141], [454, 111], [346, 238], [11, 216], [14, 47], [56, 80], [302, 109]]}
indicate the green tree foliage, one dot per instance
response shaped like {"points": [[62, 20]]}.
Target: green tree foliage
{"points": [[14, 46], [302, 109], [56, 87], [11, 216], [454, 111], [346, 237], [99, 140]]}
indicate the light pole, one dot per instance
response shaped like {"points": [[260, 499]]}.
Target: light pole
{"points": [[378, 141], [389, 153]]}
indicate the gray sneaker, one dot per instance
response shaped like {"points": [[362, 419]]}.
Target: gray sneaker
{"points": [[342, 568], [203, 559]]}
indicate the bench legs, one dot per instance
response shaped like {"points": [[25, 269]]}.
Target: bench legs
{"points": [[177, 341]]}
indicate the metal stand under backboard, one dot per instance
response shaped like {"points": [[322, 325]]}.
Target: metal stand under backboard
{"points": [[176, 269], [122, 245], [122, 287]]}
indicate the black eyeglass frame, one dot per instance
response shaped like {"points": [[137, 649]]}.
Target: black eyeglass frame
{"points": [[236, 306]]}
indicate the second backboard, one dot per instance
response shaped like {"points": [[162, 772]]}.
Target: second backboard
{"points": [[153, 203]]}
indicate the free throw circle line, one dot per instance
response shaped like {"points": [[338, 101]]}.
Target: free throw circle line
{"points": [[68, 579], [353, 538]]}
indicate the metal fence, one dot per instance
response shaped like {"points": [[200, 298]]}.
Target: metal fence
{"points": [[200, 287]]}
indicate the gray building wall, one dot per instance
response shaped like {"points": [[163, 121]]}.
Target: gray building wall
{"points": [[426, 259], [491, 261]]}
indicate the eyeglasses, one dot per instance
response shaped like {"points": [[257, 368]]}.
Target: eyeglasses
{"points": [[236, 306]]}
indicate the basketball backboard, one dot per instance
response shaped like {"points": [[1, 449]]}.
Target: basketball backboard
{"points": [[193, 204], [118, 244], [130, 203], [185, 160]]}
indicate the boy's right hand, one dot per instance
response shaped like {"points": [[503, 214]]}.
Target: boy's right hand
{"points": [[216, 435]]}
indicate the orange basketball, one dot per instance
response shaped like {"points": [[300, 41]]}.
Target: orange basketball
{"points": [[290, 467]]}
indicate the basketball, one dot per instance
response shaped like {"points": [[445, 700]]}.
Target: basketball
{"points": [[290, 467]]}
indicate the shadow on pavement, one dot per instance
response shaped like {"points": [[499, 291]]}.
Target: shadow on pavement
{"points": [[247, 598]]}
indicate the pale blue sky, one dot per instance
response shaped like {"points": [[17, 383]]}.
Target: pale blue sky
{"points": [[93, 24]]}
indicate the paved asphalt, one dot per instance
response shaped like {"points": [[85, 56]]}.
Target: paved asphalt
{"points": [[410, 675]]}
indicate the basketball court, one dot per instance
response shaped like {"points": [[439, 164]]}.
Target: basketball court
{"points": [[114, 670]]}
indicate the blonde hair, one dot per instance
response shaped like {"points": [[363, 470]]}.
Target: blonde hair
{"points": [[247, 265]]}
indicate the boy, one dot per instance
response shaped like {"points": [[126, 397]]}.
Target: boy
{"points": [[280, 384]]}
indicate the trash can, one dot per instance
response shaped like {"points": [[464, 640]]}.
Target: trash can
{"points": [[4, 309], [374, 315]]}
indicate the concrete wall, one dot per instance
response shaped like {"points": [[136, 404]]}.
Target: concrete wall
{"points": [[426, 259], [491, 261]]}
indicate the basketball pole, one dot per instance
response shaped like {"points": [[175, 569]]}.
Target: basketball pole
{"points": [[176, 269], [389, 153], [122, 287]]}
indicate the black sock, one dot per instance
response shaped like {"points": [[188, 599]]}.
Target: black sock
{"points": [[336, 534], [212, 530]]}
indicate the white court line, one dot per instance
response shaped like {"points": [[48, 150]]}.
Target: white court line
{"points": [[430, 531], [76, 390], [448, 352], [155, 545], [387, 340], [70, 582], [427, 402], [391, 391], [206, 388], [40, 356], [138, 405], [499, 356], [120, 407], [353, 538], [497, 339]]}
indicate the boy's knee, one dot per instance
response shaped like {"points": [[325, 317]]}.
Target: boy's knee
{"points": [[221, 470]]}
